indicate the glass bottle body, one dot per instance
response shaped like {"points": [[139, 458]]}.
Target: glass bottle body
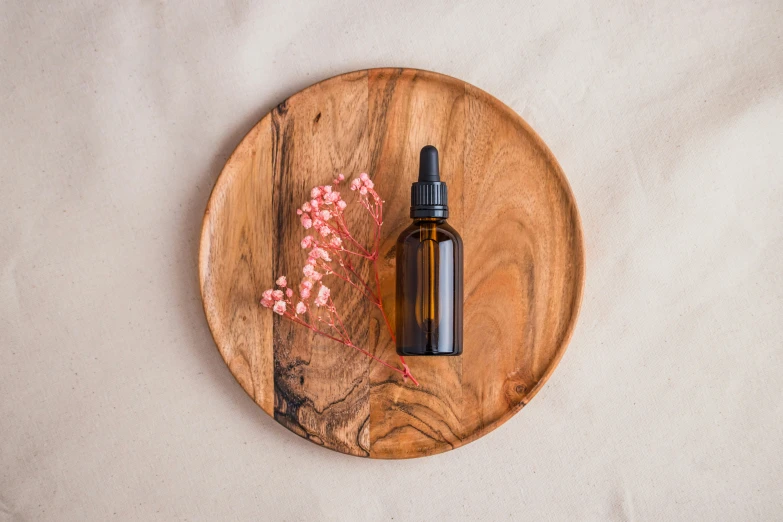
{"points": [[429, 289]]}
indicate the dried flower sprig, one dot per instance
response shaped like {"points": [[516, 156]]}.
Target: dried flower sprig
{"points": [[334, 251]]}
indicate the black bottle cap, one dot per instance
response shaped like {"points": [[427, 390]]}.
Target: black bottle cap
{"points": [[429, 195]]}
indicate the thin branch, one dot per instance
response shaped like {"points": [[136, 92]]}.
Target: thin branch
{"points": [[347, 272]]}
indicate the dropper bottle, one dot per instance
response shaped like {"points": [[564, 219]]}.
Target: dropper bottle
{"points": [[429, 269]]}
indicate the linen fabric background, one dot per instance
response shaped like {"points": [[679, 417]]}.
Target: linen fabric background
{"points": [[116, 118]]}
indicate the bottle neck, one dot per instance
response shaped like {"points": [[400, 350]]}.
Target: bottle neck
{"points": [[428, 220]]}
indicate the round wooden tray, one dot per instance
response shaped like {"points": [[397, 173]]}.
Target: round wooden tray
{"points": [[524, 262]]}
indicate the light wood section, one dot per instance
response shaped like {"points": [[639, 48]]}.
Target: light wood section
{"points": [[234, 262], [410, 109], [524, 262]]}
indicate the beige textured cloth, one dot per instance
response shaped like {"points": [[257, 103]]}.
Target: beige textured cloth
{"points": [[115, 118]]}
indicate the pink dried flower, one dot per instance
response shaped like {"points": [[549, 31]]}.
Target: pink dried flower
{"points": [[323, 296], [328, 257], [319, 252], [311, 272], [266, 298]]}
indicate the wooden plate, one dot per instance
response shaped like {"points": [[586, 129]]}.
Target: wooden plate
{"points": [[524, 262]]}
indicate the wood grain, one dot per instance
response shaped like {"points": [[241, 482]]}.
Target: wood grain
{"points": [[321, 389], [234, 262], [409, 109], [524, 262]]}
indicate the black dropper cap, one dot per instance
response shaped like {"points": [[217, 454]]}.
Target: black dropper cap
{"points": [[429, 195]]}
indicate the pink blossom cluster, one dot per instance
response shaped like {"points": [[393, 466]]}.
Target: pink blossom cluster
{"points": [[324, 212], [280, 301], [324, 203], [332, 251]]}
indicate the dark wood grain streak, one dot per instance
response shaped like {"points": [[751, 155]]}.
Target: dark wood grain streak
{"points": [[315, 138]]}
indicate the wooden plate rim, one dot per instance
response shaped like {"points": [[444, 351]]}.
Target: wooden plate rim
{"points": [[222, 178]]}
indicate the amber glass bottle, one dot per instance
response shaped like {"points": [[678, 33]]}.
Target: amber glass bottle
{"points": [[429, 270]]}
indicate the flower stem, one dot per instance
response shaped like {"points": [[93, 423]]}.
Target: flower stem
{"points": [[332, 222]]}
